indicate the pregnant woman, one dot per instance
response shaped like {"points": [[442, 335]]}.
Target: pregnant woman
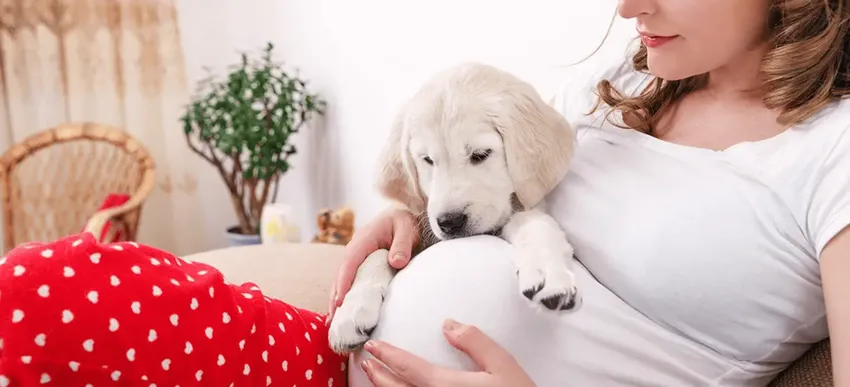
{"points": [[708, 203]]}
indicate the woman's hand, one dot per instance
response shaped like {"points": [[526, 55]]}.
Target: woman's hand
{"points": [[403, 369], [394, 229]]}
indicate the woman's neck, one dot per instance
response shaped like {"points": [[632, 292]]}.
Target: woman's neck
{"points": [[738, 79]]}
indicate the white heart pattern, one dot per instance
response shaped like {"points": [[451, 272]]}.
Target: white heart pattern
{"points": [[47, 253], [17, 316], [246, 370], [92, 296], [74, 366], [116, 375], [136, 307], [194, 304], [114, 281], [44, 291], [282, 329], [88, 345], [308, 374], [19, 271], [220, 361], [45, 378], [174, 318], [41, 339], [285, 365], [152, 336], [208, 332], [67, 316], [265, 355], [188, 348], [199, 375], [241, 344], [157, 291], [131, 354], [225, 317], [77, 243], [271, 340], [113, 325], [26, 359], [68, 272], [166, 364], [4, 381], [95, 258], [136, 270]]}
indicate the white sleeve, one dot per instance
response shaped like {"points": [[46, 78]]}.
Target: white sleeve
{"points": [[829, 209]]}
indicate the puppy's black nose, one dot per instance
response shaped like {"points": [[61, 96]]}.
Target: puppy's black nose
{"points": [[452, 223]]}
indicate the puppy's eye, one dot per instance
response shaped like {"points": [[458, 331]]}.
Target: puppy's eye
{"points": [[479, 156], [428, 160]]}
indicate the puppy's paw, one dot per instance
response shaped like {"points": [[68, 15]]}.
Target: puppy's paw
{"points": [[354, 320], [548, 282]]}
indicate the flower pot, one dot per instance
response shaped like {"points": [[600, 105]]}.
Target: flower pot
{"points": [[235, 238]]}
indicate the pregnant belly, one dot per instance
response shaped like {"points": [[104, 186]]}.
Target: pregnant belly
{"points": [[472, 280]]}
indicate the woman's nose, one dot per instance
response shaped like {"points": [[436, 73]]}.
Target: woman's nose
{"points": [[629, 9]]}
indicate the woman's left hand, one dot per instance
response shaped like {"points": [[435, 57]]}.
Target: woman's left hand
{"points": [[404, 369]]}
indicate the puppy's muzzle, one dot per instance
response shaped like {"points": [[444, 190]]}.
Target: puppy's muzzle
{"points": [[453, 224]]}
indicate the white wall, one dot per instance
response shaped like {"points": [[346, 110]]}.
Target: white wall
{"points": [[364, 57]]}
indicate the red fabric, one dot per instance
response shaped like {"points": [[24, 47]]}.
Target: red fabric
{"points": [[111, 201], [75, 312]]}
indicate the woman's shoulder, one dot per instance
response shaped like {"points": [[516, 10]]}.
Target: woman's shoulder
{"points": [[576, 94]]}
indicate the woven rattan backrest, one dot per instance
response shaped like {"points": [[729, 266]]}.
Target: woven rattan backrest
{"points": [[54, 181]]}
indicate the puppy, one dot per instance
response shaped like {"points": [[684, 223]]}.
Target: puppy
{"points": [[474, 151]]}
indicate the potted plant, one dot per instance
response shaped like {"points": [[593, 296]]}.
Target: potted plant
{"points": [[243, 125]]}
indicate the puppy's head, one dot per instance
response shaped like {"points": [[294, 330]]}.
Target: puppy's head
{"points": [[473, 145]]}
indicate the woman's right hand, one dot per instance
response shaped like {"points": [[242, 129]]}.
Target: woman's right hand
{"points": [[394, 229]]}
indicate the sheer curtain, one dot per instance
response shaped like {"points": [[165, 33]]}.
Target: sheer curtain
{"points": [[118, 62]]}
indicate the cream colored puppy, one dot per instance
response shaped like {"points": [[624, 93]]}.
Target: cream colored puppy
{"points": [[474, 151]]}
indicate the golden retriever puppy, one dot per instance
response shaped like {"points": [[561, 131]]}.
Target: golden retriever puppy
{"points": [[474, 151]]}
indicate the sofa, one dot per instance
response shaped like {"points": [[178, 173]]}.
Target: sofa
{"points": [[302, 274]]}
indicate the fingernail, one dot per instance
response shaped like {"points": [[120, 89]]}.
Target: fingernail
{"points": [[451, 325], [370, 346], [398, 257], [366, 366]]}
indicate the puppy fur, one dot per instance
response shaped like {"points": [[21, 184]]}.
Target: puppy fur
{"points": [[474, 151]]}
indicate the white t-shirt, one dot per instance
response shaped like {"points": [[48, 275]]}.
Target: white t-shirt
{"points": [[720, 248], [699, 267]]}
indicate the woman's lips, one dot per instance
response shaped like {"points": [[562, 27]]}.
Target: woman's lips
{"points": [[654, 41]]}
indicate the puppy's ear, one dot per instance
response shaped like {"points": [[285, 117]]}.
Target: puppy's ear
{"points": [[538, 142], [397, 178]]}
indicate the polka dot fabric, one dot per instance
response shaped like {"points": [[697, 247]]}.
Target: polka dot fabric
{"points": [[78, 313]]}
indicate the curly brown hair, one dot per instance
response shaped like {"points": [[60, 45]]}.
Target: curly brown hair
{"points": [[810, 45]]}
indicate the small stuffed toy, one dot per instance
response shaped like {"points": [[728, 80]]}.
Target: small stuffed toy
{"points": [[335, 226]]}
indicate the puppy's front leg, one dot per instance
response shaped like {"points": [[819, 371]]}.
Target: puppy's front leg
{"points": [[354, 320], [544, 260]]}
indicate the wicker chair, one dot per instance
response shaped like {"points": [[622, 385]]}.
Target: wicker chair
{"points": [[53, 182]]}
